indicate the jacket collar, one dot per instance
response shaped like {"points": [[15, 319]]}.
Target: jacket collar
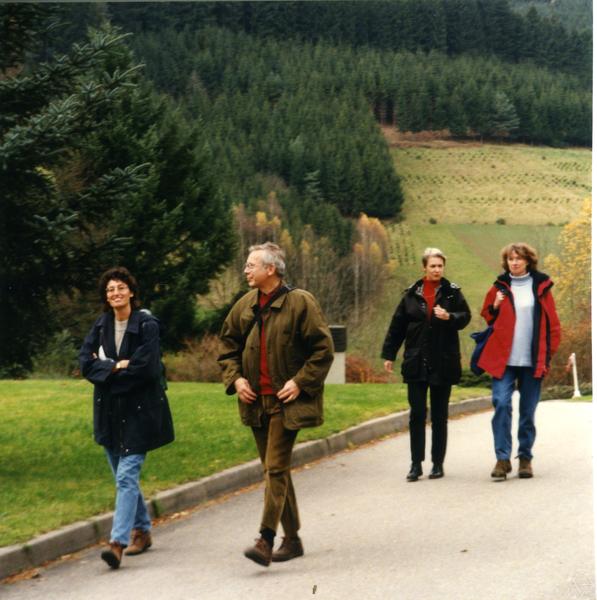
{"points": [[417, 287], [541, 281], [135, 319], [106, 323], [277, 303]]}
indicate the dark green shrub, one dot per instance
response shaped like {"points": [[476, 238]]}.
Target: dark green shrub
{"points": [[58, 359], [469, 379], [564, 392]]}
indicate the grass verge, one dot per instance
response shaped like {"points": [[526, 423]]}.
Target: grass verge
{"points": [[52, 473]]}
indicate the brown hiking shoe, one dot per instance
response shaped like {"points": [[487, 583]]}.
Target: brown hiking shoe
{"points": [[140, 541], [261, 552], [525, 470], [113, 555], [289, 548], [501, 469]]}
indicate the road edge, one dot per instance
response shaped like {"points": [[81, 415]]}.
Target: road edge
{"points": [[77, 536]]}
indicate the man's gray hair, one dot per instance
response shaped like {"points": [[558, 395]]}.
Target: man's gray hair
{"points": [[272, 255], [430, 253]]}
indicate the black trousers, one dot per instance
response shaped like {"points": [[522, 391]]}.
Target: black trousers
{"points": [[439, 396]]}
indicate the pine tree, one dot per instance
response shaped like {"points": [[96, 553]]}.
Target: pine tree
{"points": [[45, 117], [457, 120], [505, 121], [97, 170]]}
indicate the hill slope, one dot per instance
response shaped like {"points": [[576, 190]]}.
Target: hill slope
{"points": [[483, 183], [529, 187]]}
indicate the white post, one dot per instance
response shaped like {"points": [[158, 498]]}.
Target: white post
{"points": [[572, 360]]}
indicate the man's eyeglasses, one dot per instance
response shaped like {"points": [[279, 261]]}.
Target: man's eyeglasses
{"points": [[251, 266]]}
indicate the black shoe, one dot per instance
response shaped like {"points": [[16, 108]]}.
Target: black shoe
{"points": [[415, 472], [437, 471]]}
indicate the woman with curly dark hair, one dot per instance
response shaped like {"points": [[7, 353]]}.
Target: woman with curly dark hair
{"points": [[121, 357]]}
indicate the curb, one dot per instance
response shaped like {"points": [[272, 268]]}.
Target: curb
{"points": [[81, 534]]}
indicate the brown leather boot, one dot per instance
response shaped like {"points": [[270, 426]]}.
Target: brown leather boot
{"points": [[261, 552], [501, 469], [140, 541], [289, 548], [525, 470], [113, 555]]}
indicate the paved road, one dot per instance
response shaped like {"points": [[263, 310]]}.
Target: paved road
{"points": [[369, 534]]}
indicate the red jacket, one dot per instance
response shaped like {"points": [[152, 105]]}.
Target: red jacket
{"points": [[546, 326]]}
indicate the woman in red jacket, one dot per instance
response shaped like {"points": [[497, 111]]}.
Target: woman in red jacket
{"points": [[526, 333]]}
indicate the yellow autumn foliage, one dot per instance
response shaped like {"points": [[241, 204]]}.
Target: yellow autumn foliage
{"points": [[571, 270], [261, 219]]}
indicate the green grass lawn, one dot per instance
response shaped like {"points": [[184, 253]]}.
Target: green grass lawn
{"points": [[52, 473], [582, 399]]}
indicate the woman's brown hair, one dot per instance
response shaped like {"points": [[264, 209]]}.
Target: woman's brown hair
{"points": [[118, 274], [523, 250]]}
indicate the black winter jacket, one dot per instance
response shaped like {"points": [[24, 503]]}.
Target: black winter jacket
{"points": [[431, 347], [131, 414]]}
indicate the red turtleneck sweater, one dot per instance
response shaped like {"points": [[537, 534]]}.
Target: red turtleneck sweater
{"points": [[429, 289], [265, 380]]}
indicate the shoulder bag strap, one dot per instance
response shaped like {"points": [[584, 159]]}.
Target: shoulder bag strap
{"points": [[283, 290]]}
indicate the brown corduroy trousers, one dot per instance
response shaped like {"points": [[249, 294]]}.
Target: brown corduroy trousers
{"points": [[275, 444]]}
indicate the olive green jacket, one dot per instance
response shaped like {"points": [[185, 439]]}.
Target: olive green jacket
{"points": [[299, 347]]}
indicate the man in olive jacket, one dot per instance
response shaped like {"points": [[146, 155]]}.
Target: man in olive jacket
{"points": [[276, 350]]}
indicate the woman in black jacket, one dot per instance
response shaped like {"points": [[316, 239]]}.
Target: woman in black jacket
{"points": [[121, 357], [427, 320]]}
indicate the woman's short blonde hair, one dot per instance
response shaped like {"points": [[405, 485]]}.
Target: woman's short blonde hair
{"points": [[430, 253], [523, 250]]}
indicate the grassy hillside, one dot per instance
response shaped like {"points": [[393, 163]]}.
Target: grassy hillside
{"points": [[466, 189], [481, 184]]}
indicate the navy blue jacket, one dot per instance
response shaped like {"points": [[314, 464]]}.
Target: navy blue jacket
{"points": [[131, 414]]}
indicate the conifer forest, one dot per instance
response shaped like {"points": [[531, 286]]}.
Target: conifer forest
{"points": [[170, 136]]}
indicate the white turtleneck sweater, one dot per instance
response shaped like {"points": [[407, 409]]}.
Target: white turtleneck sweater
{"points": [[524, 303]]}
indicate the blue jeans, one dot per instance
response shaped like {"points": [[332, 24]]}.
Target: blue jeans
{"points": [[530, 391], [130, 510]]}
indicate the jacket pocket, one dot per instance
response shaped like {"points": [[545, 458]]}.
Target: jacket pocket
{"points": [[305, 411], [451, 368], [411, 364]]}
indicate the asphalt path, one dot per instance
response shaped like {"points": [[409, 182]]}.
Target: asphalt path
{"points": [[369, 534]]}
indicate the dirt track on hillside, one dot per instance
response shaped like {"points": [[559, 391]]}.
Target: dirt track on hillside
{"points": [[423, 139]]}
